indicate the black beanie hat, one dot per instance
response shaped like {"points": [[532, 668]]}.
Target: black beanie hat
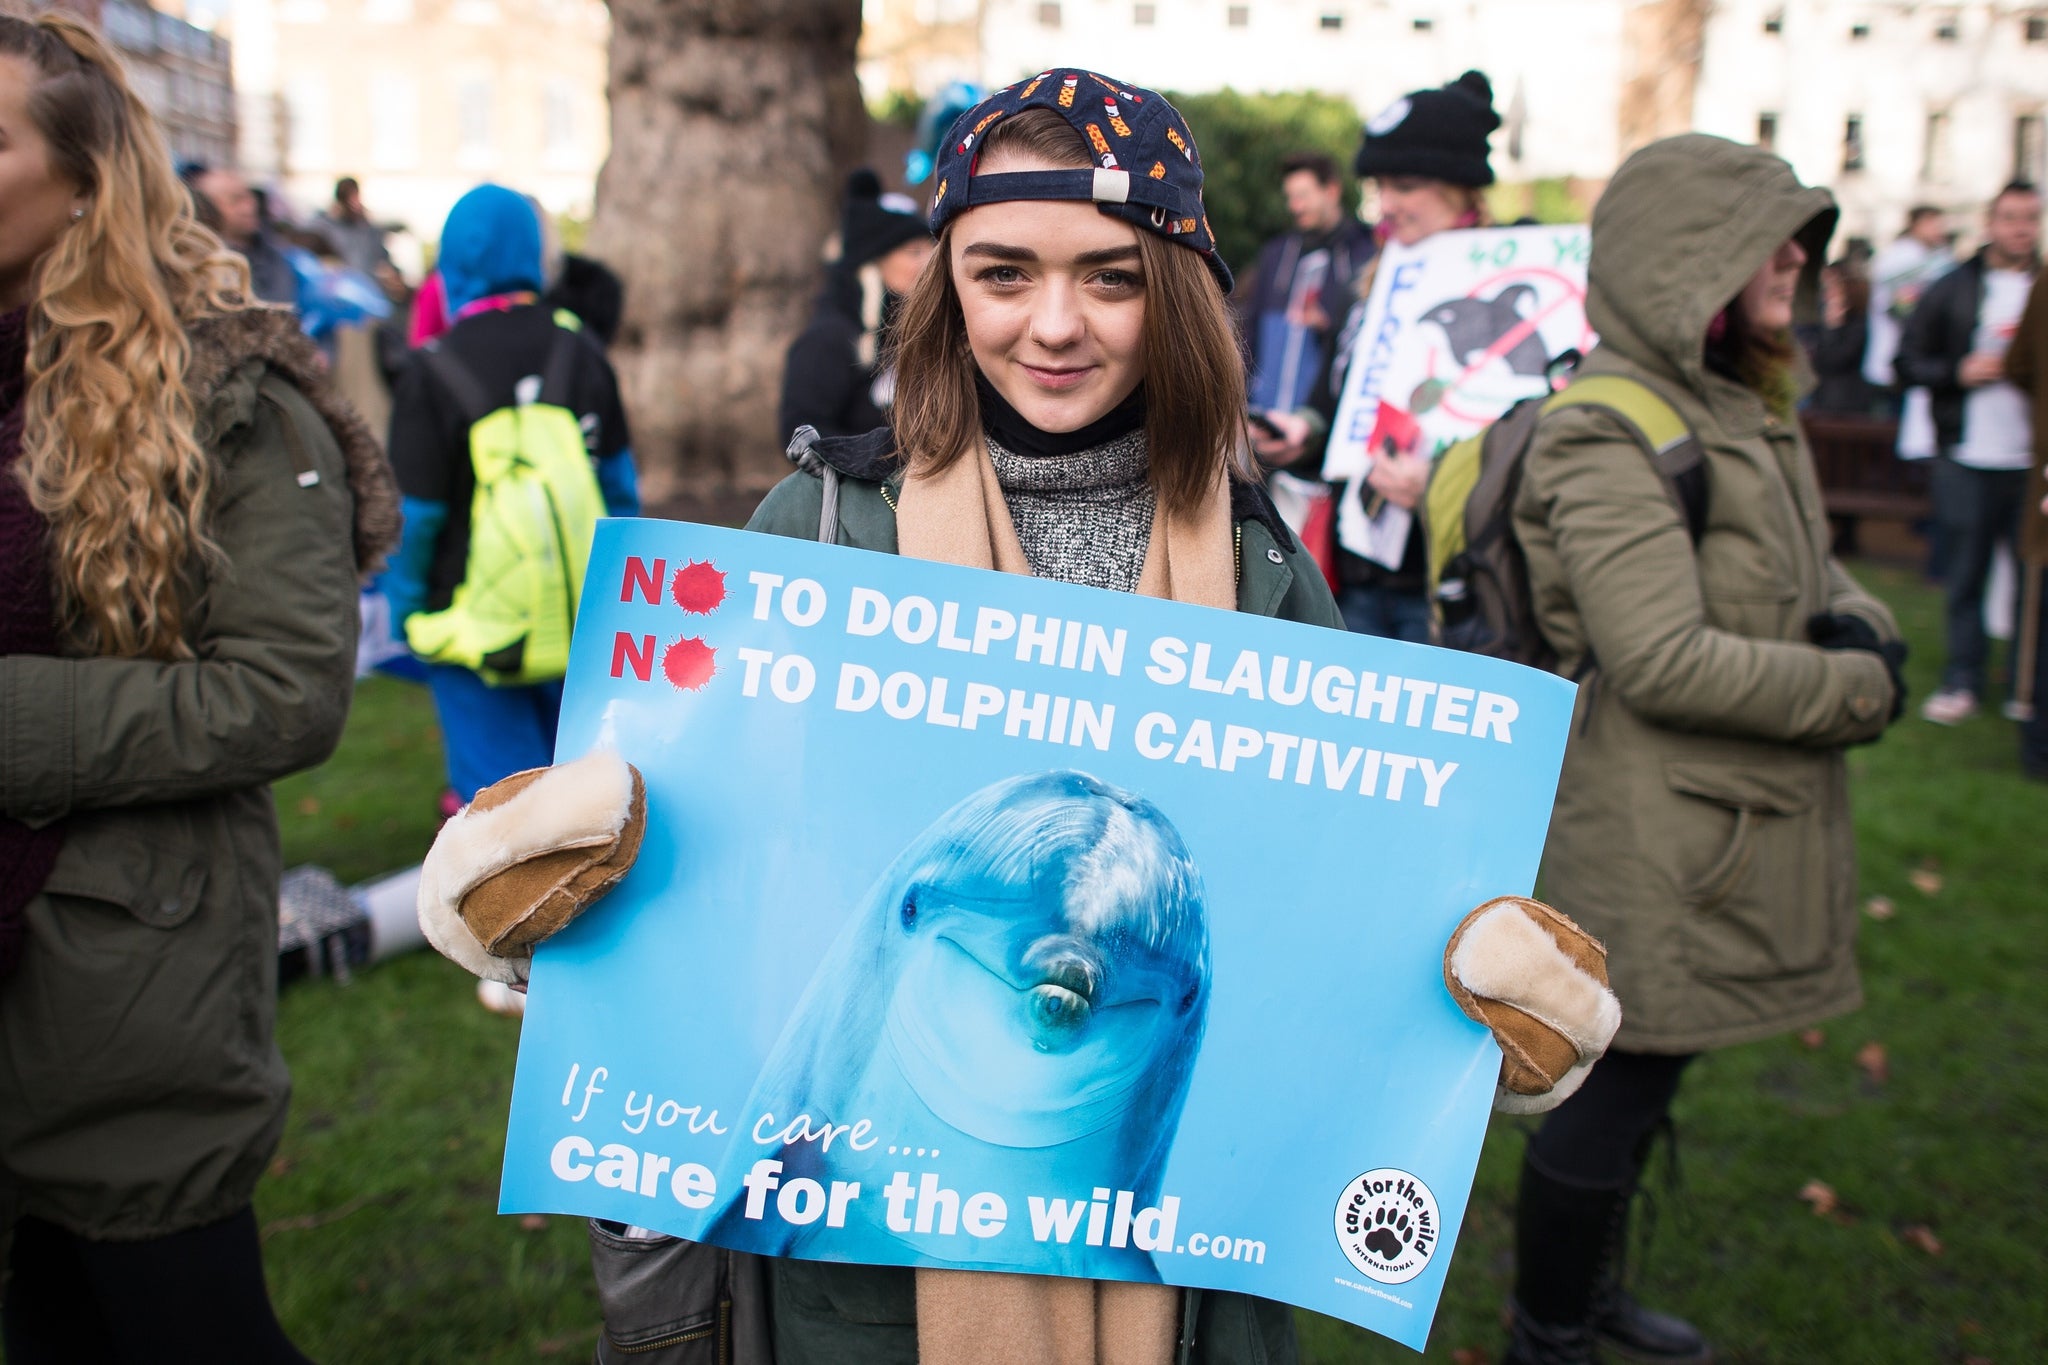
{"points": [[873, 224], [1435, 134]]}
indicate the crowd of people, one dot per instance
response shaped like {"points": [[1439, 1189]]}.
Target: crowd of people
{"points": [[1049, 371]]}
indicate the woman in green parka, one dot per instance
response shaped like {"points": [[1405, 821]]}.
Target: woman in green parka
{"points": [[1702, 820], [184, 513]]}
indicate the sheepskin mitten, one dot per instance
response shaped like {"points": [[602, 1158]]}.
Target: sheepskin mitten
{"points": [[1540, 983], [528, 855]]}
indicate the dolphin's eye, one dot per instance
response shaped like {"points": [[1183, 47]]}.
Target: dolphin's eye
{"points": [[909, 912]]}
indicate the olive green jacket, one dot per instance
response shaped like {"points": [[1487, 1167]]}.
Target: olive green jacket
{"points": [[141, 1090], [1702, 821], [827, 1314]]}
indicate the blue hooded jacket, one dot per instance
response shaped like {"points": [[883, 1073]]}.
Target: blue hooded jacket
{"points": [[489, 245]]}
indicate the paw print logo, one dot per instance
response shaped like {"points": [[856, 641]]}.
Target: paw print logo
{"points": [[1391, 1233], [1387, 1224]]}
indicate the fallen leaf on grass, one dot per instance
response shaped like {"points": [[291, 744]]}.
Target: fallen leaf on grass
{"points": [[1976, 1360], [1470, 1355], [1821, 1195], [1926, 878], [1921, 1238], [280, 1165], [309, 805], [1871, 1057], [1970, 1328], [1881, 907], [533, 1222], [1812, 1039]]}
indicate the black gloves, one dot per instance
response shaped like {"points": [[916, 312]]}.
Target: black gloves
{"points": [[1831, 631]]}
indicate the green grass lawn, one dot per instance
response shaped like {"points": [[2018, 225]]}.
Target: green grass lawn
{"points": [[383, 1246]]}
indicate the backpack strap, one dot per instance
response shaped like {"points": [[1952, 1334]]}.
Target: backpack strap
{"points": [[558, 374], [1673, 451], [472, 400]]}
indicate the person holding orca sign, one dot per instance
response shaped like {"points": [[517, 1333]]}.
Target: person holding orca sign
{"points": [[1069, 407]]}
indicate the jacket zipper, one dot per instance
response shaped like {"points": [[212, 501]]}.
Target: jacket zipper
{"points": [[694, 1334]]}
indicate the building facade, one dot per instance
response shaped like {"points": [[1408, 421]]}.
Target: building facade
{"points": [[421, 100], [1891, 102]]}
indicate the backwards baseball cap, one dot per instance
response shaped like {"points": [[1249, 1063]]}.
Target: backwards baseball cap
{"points": [[1146, 172]]}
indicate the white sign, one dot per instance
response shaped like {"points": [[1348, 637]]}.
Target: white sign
{"points": [[1458, 329]]}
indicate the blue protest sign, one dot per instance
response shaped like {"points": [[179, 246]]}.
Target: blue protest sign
{"points": [[986, 922]]}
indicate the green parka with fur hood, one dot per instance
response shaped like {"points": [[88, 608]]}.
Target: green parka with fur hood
{"points": [[141, 1088], [1702, 822]]}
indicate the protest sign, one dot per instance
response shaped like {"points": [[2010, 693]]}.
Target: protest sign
{"points": [[1458, 329], [987, 922]]}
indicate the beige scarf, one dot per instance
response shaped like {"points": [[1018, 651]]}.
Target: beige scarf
{"points": [[958, 516]]}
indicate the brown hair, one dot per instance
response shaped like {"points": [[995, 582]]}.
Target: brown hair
{"points": [[1194, 374], [109, 456], [1764, 361]]}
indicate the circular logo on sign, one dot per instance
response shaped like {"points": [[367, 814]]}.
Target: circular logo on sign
{"points": [[1389, 118], [1388, 1225]]}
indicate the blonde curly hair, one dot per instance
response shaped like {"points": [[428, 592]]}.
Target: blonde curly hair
{"points": [[109, 455]]}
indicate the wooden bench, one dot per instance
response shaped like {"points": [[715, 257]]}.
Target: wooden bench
{"points": [[1861, 475]]}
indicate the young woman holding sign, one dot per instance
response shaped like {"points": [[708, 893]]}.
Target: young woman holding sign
{"points": [[1069, 402]]}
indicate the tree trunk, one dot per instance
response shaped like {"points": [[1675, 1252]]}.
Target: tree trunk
{"points": [[1664, 40], [732, 124]]}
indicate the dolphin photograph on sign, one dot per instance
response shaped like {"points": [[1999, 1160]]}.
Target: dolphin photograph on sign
{"points": [[993, 923], [1458, 329]]}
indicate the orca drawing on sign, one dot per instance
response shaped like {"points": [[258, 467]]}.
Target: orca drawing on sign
{"points": [[1475, 326]]}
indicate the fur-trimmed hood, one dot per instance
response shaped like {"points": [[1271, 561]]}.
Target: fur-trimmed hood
{"points": [[239, 346]]}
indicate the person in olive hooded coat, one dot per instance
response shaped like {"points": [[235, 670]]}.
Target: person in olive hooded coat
{"points": [[1702, 821]]}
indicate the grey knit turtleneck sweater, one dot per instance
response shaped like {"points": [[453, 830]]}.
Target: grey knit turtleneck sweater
{"points": [[1085, 517]]}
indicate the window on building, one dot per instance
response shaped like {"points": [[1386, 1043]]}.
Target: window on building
{"points": [[394, 121], [2030, 149], [1239, 16], [1948, 27], [1774, 22], [1330, 23], [1048, 14], [1858, 32], [1934, 157], [1767, 132], [558, 123], [1144, 16], [2036, 28], [473, 122], [1422, 25], [306, 124], [1852, 143]]}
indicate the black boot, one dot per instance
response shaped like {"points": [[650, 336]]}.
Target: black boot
{"points": [[1534, 1343], [1563, 1241], [1627, 1329]]}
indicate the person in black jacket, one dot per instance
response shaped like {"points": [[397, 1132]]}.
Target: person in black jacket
{"points": [[1954, 346], [834, 380]]}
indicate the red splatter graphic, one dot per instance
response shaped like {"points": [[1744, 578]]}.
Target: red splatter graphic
{"points": [[698, 587], [689, 663]]}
